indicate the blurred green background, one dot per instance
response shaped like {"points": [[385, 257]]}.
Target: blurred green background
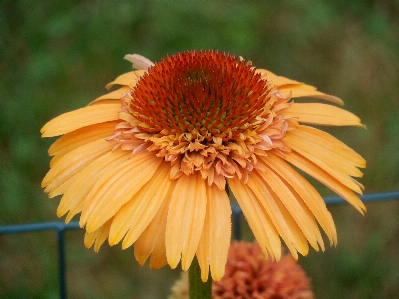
{"points": [[56, 56]]}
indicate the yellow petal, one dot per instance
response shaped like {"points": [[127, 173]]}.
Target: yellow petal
{"points": [[152, 240], [326, 179], [117, 187], [185, 220], [126, 79], [322, 114], [84, 181], [215, 240], [72, 162], [98, 236], [300, 214], [138, 212], [113, 95], [282, 221], [80, 118], [261, 224], [299, 91], [277, 80], [306, 192], [328, 153], [72, 140]]}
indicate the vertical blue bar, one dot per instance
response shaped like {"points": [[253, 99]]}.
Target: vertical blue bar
{"points": [[61, 262], [236, 210]]}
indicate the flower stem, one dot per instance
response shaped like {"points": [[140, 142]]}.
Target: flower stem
{"points": [[197, 288]]}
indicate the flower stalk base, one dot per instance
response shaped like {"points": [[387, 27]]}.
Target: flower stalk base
{"points": [[197, 288]]}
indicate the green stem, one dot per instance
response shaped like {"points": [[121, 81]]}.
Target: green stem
{"points": [[197, 288]]}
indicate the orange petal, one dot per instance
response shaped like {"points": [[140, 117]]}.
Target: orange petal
{"points": [[72, 162], [302, 90], [258, 219], [113, 190], [80, 118], [74, 197], [152, 240], [277, 80], [322, 114], [125, 79], [326, 179], [113, 95], [306, 192], [328, 153], [215, 240], [300, 214], [185, 220], [72, 140], [138, 212], [97, 237]]}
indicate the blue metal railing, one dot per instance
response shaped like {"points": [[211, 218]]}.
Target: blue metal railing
{"points": [[60, 227]]}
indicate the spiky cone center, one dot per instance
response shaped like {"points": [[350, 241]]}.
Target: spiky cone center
{"points": [[204, 111]]}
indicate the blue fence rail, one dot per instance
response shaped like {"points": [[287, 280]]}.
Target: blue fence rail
{"points": [[60, 227]]}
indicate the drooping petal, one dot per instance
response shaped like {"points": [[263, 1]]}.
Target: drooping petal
{"points": [[98, 236], [112, 190], [138, 212], [300, 214], [72, 162], [328, 153], [185, 220], [281, 219], [75, 196], [306, 192], [215, 240], [277, 80], [325, 178], [72, 140], [152, 240], [322, 114], [258, 219], [80, 118]]}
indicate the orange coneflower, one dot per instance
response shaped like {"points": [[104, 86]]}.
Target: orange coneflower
{"points": [[250, 275], [148, 163]]}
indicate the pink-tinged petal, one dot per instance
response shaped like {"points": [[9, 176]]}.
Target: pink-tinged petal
{"points": [[138, 61]]}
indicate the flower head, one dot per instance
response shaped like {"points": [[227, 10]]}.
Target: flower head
{"points": [[148, 163], [250, 275]]}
